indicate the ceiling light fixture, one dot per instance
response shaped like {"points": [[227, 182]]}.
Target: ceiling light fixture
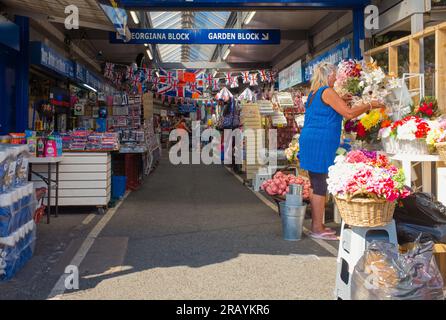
{"points": [[134, 17], [232, 45], [149, 53], [249, 17], [146, 45], [226, 54], [91, 88]]}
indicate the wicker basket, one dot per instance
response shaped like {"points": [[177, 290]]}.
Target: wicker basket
{"points": [[441, 148], [361, 212]]}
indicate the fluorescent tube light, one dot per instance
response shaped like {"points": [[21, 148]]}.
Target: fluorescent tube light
{"points": [[249, 17], [226, 54], [149, 53], [91, 88], [134, 17]]}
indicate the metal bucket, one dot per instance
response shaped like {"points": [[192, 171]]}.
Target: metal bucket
{"points": [[294, 200], [292, 221]]}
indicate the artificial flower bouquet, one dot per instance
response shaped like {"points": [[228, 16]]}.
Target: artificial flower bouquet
{"points": [[367, 127], [292, 152], [365, 81], [366, 187], [409, 136], [428, 108]]}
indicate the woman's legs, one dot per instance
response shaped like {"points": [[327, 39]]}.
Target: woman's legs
{"points": [[317, 199], [317, 213]]}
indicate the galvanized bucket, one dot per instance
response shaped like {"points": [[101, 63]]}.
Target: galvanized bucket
{"points": [[292, 221]]}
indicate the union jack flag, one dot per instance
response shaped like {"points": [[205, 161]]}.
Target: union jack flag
{"points": [[234, 82], [272, 76], [155, 83], [228, 78], [109, 68], [149, 75], [129, 73], [118, 79], [246, 77], [135, 81], [209, 79], [215, 85], [181, 89], [263, 76], [253, 80]]}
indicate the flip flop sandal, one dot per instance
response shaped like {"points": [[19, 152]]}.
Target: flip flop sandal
{"points": [[329, 230], [324, 236]]}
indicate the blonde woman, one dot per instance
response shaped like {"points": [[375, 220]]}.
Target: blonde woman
{"points": [[320, 139]]}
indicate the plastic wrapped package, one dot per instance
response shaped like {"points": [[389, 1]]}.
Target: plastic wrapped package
{"points": [[383, 273], [14, 257], [22, 165], [7, 169], [408, 232], [16, 209]]}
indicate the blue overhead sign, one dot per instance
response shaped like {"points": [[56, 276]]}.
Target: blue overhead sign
{"points": [[303, 4], [334, 56], [200, 36], [43, 55]]}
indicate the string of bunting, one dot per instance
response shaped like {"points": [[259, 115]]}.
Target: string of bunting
{"points": [[165, 81]]}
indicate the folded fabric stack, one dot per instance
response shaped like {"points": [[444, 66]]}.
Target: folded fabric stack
{"points": [[79, 139], [103, 141]]}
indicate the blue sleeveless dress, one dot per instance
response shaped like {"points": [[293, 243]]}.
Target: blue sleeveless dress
{"points": [[321, 135]]}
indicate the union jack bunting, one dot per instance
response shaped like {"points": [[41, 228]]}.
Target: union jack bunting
{"points": [[109, 68], [253, 80], [118, 79], [209, 79], [155, 83], [129, 73], [234, 82], [135, 81], [215, 85], [263, 76], [246, 77], [272, 76], [180, 89], [228, 78], [149, 75]]}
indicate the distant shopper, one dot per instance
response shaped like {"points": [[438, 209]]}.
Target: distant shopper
{"points": [[320, 139]]}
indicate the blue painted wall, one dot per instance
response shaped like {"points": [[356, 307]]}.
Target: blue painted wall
{"points": [[14, 82]]}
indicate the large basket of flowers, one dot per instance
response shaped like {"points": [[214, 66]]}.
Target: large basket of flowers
{"points": [[363, 212], [366, 188]]}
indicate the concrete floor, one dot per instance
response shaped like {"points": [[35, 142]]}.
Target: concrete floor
{"points": [[192, 232]]}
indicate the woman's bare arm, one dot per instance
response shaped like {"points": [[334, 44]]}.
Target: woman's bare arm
{"points": [[331, 98]]}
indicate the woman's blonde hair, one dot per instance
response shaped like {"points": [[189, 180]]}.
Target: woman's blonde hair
{"points": [[320, 75]]}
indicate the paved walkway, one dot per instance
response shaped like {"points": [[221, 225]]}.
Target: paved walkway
{"points": [[195, 232]]}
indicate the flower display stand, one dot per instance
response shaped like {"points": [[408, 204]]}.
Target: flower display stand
{"points": [[353, 243], [408, 159]]}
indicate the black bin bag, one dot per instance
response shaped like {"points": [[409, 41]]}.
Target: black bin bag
{"points": [[421, 209]]}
